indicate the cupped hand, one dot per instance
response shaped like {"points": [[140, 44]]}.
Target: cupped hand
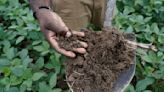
{"points": [[51, 25]]}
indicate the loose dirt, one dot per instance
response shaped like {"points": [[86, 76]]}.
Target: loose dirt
{"points": [[96, 71]]}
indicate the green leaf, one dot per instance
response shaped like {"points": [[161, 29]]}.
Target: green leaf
{"points": [[31, 26], [139, 19], [34, 35], [147, 91], [28, 83], [20, 39], [10, 53], [159, 74], [45, 52], [7, 45], [162, 9], [130, 88], [53, 80], [40, 63], [6, 71], [154, 28], [23, 88], [13, 27], [26, 61], [56, 63], [36, 42], [4, 62], [1, 89], [140, 2], [23, 54], [153, 57], [49, 66], [142, 84], [141, 51], [17, 71], [14, 3], [128, 10], [44, 48], [39, 48], [43, 87], [38, 75], [16, 62], [4, 81], [147, 19], [148, 70], [2, 33], [15, 80], [27, 74], [161, 38], [12, 89], [147, 58], [150, 57], [129, 29], [160, 57], [46, 45], [57, 90], [149, 37], [158, 2], [3, 1]]}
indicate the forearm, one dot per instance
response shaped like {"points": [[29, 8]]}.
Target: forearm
{"points": [[35, 4]]}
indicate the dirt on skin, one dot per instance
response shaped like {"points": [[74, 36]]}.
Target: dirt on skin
{"points": [[97, 70]]}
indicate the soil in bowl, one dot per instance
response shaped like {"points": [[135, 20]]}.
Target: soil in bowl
{"points": [[96, 71]]}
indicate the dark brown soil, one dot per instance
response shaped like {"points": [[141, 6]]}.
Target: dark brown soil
{"points": [[97, 70]]}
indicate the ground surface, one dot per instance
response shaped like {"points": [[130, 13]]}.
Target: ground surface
{"points": [[97, 70]]}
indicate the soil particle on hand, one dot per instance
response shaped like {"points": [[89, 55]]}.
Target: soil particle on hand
{"points": [[97, 70]]}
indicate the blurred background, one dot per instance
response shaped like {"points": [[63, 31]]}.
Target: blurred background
{"points": [[29, 64]]}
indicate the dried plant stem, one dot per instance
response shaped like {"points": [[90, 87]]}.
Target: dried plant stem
{"points": [[69, 85], [141, 45]]}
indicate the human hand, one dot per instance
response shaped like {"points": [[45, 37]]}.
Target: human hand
{"points": [[51, 25]]}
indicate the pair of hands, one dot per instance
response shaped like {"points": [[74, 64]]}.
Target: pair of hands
{"points": [[51, 24]]}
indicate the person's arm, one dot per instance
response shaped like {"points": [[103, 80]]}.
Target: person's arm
{"points": [[47, 18], [52, 24]]}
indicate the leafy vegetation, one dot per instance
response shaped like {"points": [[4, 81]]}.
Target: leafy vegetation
{"points": [[27, 63], [145, 19]]}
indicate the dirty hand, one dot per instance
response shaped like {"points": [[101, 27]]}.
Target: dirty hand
{"points": [[51, 24]]}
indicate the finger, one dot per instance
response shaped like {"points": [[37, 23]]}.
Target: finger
{"points": [[66, 53], [68, 34], [62, 51], [80, 50], [84, 44], [78, 33]]}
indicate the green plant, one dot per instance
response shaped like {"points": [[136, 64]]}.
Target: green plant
{"points": [[145, 19], [27, 63]]}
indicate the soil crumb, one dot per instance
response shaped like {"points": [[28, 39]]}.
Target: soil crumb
{"points": [[97, 70]]}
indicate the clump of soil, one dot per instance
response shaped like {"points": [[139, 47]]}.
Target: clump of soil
{"points": [[97, 70]]}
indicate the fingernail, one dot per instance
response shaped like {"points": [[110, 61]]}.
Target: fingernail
{"points": [[81, 50], [85, 45], [73, 55], [84, 51]]}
